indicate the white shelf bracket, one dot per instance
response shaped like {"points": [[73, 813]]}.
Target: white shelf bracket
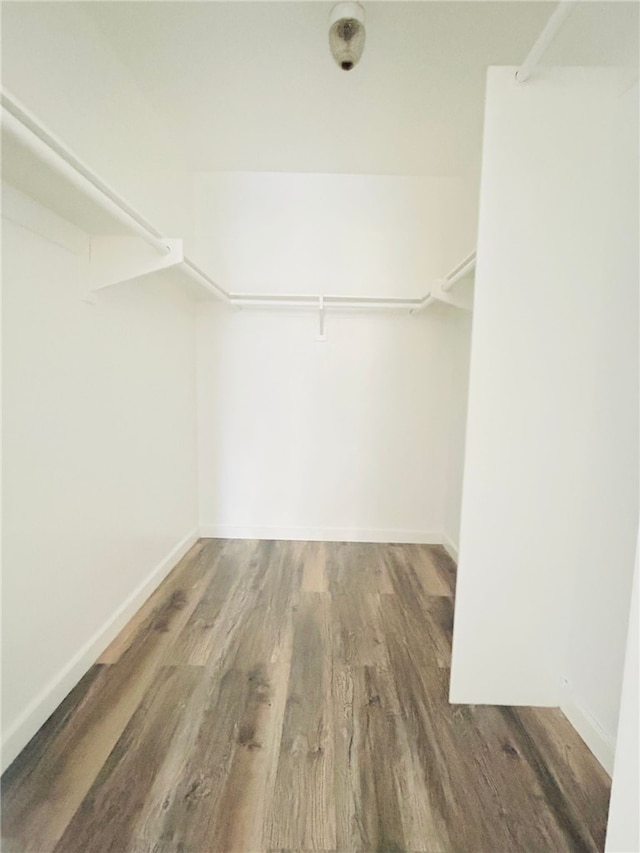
{"points": [[462, 298], [322, 318], [114, 260]]}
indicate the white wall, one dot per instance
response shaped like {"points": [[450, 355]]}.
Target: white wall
{"points": [[59, 65], [600, 595], [342, 439], [99, 461], [550, 488], [332, 234], [623, 828], [458, 355]]}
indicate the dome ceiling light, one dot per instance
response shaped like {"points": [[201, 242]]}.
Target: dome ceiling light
{"points": [[346, 34]]}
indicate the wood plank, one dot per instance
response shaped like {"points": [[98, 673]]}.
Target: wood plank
{"points": [[356, 567], [428, 620], [118, 794], [315, 567], [227, 594], [202, 552], [382, 802], [302, 813], [573, 782], [234, 725], [434, 580], [445, 566], [357, 630], [487, 784]]}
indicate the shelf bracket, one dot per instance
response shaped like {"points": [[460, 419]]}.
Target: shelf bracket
{"points": [[322, 318], [113, 260], [462, 298]]}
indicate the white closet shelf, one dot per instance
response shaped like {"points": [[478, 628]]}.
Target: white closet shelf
{"points": [[43, 167]]}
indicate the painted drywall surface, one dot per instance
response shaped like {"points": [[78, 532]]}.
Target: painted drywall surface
{"points": [[458, 356], [343, 439], [339, 439], [600, 597], [99, 453], [59, 65], [623, 828], [536, 518], [332, 234]]}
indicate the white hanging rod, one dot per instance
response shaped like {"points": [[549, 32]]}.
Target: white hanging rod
{"points": [[28, 131], [22, 125], [459, 272], [322, 302], [557, 19], [200, 276], [425, 302]]}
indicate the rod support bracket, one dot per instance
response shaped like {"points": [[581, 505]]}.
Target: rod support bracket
{"points": [[117, 259], [322, 317]]}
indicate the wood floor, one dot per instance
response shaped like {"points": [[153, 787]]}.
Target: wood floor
{"points": [[288, 696]]}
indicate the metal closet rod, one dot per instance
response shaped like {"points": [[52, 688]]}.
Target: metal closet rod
{"points": [[47, 147], [23, 125], [322, 302], [459, 272], [200, 275], [550, 31]]}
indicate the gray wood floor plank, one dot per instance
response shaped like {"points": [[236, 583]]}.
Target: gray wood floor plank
{"points": [[119, 792], [188, 572], [302, 812], [357, 630]]}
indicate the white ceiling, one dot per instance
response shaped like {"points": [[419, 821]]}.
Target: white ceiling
{"points": [[252, 86]]}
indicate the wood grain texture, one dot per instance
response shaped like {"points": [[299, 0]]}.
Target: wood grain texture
{"points": [[302, 812], [293, 696]]}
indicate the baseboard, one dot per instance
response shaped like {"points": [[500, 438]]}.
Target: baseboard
{"points": [[450, 548], [600, 742], [45, 703], [321, 534]]}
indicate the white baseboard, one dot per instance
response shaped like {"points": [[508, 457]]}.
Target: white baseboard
{"points": [[450, 548], [45, 703], [600, 742], [321, 534]]}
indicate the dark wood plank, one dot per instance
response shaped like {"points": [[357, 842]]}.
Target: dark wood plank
{"points": [[428, 620], [154, 610], [228, 592], [487, 787], [357, 630], [216, 787], [118, 794], [355, 568], [445, 566], [425, 561], [302, 812], [382, 802]]}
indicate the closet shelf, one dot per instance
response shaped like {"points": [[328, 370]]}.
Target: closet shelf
{"points": [[40, 165]]}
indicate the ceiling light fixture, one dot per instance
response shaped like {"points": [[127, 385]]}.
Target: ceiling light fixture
{"points": [[346, 34]]}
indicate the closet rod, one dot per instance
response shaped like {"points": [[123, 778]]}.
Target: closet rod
{"points": [[29, 132], [467, 266], [424, 303], [48, 148], [195, 272], [550, 31], [322, 303]]}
